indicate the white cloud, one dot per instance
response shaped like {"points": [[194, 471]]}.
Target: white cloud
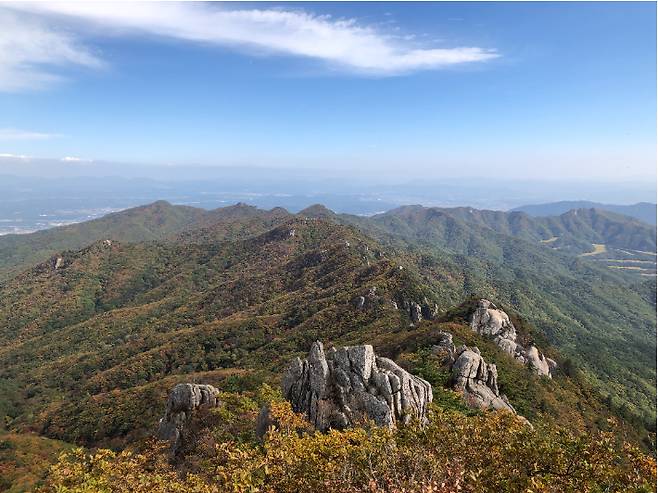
{"points": [[29, 49], [74, 159], [343, 43], [14, 134], [13, 156]]}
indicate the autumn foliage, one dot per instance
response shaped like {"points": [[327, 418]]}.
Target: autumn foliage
{"points": [[454, 453]]}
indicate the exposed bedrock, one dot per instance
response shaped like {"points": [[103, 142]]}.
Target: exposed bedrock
{"points": [[183, 401], [348, 386], [490, 321]]}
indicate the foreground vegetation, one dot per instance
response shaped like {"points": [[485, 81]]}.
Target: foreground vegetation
{"points": [[25, 459], [490, 452]]}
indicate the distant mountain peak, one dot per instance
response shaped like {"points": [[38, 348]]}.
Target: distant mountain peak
{"points": [[317, 210], [642, 211]]}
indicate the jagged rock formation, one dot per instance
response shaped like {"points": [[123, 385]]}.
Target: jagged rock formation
{"points": [[349, 385], [478, 380], [415, 312], [184, 399], [488, 320], [471, 374]]}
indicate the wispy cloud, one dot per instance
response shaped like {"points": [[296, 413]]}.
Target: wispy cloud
{"points": [[30, 49], [7, 155], [15, 134], [75, 159], [342, 43]]}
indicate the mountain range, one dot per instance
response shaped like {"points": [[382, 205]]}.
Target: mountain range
{"points": [[99, 319], [643, 211]]}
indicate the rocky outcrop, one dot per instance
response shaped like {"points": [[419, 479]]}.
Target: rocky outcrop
{"points": [[488, 320], [415, 312], [183, 401], [471, 374], [478, 380], [445, 348], [419, 311], [370, 299], [350, 385]]}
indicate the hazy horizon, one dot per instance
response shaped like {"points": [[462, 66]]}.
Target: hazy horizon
{"points": [[519, 91]]}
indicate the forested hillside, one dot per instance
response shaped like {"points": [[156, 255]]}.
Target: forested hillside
{"points": [[93, 337]]}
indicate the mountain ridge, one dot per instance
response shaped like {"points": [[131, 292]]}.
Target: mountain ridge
{"points": [[643, 211]]}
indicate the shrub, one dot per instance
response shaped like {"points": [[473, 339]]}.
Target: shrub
{"points": [[491, 452]]}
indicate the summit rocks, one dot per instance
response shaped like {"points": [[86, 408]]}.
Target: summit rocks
{"points": [[347, 386]]}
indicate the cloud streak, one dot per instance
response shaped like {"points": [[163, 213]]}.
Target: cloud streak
{"points": [[14, 134], [30, 50], [341, 43]]}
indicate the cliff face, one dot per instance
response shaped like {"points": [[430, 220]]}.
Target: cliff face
{"points": [[345, 386]]}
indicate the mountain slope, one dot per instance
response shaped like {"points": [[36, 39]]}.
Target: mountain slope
{"points": [[574, 231], [602, 320], [642, 211], [145, 223], [622, 244], [87, 347], [157, 221], [91, 343]]}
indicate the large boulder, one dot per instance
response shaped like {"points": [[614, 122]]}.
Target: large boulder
{"points": [[478, 380], [183, 401], [540, 363], [347, 386], [488, 320]]}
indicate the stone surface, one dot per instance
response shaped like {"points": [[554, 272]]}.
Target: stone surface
{"points": [[488, 320], [538, 361], [183, 401], [444, 348], [478, 380], [349, 385], [264, 421]]}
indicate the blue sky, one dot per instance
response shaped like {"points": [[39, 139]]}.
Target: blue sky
{"points": [[518, 90]]}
